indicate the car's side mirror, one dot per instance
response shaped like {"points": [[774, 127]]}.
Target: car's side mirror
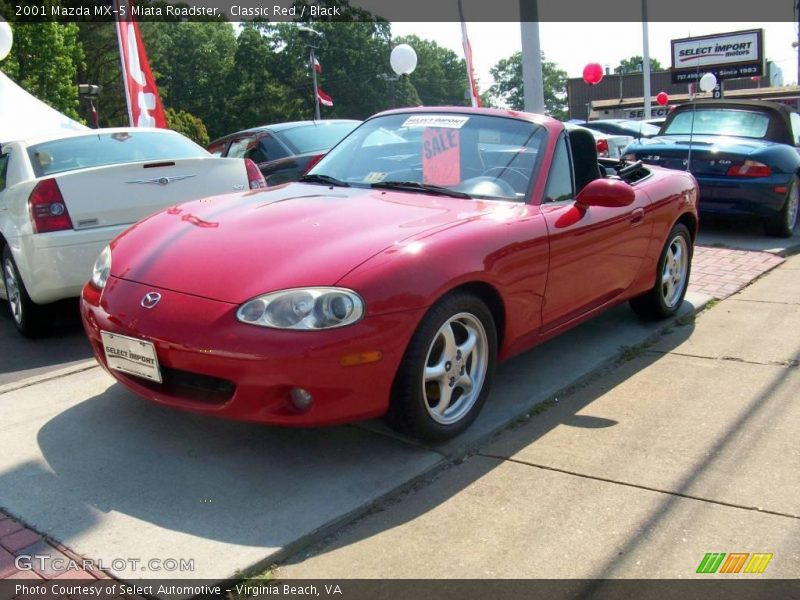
{"points": [[610, 193]]}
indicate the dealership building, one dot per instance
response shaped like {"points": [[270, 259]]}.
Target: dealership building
{"points": [[743, 74]]}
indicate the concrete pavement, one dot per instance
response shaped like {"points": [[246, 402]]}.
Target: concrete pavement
{"points": [[689, 447], [110, 476]]}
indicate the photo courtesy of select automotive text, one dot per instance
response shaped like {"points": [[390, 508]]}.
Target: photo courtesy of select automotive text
{"points": [[367, 299]]}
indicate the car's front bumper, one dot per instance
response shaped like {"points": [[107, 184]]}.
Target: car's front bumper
{"points": [[215, 365]]}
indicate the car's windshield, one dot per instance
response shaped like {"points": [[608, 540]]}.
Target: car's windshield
{"points": [[482, 156], [315, 137], [86, 151], [719, 121]]}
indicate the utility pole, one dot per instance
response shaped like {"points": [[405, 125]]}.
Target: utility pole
{"points": [[532, 79], [646, 62]]}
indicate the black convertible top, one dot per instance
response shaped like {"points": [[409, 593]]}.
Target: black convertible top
{"points": [[780, 127]]}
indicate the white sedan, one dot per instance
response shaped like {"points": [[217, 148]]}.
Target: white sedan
{"points": [[64, 197], [608, 145]]}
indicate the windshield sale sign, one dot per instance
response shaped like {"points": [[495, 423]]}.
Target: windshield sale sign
{"points": [[727, 55]]}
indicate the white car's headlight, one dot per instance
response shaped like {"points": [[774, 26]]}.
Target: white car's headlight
{"points": [[102, 268], [303, 309]]}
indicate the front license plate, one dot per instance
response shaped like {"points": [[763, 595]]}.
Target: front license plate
{"points": [[132, 356]]}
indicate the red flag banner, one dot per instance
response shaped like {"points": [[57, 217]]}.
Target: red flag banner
{"points": [[317, 66], [144, 104], [473, 89], [324, 99]]}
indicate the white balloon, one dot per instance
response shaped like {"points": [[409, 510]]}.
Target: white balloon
{"points": [[6, 38], [708, 82], [403, 59]]}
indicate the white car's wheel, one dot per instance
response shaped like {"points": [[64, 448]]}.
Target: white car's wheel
{"points": [[31, 319]]}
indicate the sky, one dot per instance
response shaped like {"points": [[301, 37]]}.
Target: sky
{"points": [[604, 43]]}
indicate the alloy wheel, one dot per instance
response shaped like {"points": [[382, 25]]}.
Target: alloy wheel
{"points": [[674, 274], [12, 291], [455, 368]]}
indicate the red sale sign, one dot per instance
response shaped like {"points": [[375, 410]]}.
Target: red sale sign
{"points": [[441, 156], [144, 103]]}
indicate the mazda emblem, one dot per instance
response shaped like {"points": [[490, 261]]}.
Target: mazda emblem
{"points": [[151, 299]]}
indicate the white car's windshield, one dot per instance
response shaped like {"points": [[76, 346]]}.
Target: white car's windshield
{"points": [[455, 154]]}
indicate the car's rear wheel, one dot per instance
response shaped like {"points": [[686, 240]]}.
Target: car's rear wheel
{"points": [[30, 319], [783, 224], [445, 376], [672, 277]]}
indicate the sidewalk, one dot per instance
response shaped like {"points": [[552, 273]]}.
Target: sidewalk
{"points": [[689, 447], [111, 477]]}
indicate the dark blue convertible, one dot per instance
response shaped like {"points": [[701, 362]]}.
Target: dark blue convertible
{"points": [[744, 155]]}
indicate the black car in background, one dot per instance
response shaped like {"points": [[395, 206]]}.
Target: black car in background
{"points": [[285, 151], [637, 129]]}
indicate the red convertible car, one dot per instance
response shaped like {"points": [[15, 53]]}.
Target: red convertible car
{"points": [[427, 245]]}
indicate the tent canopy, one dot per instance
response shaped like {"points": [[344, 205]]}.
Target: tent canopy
{"points": [[23, 115]]}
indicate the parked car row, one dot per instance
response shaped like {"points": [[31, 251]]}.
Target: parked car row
{"points": [[424, 247]]}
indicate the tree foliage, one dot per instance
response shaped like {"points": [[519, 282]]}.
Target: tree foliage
{"points": [[634, 65], [45, 60], [508, 88], [227, 78], [187, 124]]}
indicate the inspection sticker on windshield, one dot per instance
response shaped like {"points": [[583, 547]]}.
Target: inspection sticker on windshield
{"points": [[451, 121], [375, 177], [132, 356]]}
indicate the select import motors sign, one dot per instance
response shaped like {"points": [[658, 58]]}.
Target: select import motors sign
{"points": [[727, 55]]}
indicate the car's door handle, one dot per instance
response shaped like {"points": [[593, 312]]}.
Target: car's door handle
{"points": [[637, 216]]}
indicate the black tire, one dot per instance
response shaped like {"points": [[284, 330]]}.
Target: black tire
{"points": [[30, 319], [784, 223], [661, 302], [411, 408]]}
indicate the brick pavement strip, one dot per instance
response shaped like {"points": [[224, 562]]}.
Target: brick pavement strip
{"points": [[721, 272]]}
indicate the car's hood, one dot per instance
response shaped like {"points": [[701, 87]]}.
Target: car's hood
{"points": [[727, 144], [234, 247]]}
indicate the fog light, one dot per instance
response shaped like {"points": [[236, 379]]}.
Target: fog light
{"points": [[302, 399]]}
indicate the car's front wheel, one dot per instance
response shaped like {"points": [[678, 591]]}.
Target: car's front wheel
{"points": [[31, 319], [672, 277], [445, 376], [784, 223]]}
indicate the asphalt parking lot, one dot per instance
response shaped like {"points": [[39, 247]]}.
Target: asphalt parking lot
{"points": [[109, 475]]}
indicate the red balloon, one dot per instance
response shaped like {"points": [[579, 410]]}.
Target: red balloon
{"points": [[662, 98], [593, 73]]}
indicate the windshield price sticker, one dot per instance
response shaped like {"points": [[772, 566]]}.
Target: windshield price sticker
{"points": [[451, 122], [375, 177], [441, 156]]}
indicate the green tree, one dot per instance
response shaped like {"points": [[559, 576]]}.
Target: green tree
{"points": [[404, 93], [44, 60], [441, 76], [187, 124], [508, 85], [634, 64]]}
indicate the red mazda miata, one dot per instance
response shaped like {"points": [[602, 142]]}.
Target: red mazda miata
{"points": [[427, 245]]}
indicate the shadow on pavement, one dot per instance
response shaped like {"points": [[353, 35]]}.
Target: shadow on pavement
{"points": [[743, 234], [23, 357]]}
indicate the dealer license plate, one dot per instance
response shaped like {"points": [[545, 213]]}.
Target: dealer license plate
{"points": [[132, 356]]}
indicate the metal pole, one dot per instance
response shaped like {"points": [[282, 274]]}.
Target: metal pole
{"points": [[314, 76], [646, 62], [532, 79]]}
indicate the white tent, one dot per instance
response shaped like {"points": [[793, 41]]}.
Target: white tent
{"points": [[23, 115]]}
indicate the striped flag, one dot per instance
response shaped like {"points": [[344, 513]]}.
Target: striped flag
{"points": [[144, 104], [473, 89], [324, 99]]}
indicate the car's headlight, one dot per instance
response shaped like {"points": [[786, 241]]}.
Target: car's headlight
{"points": [[102, 268], [303, 309]]}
